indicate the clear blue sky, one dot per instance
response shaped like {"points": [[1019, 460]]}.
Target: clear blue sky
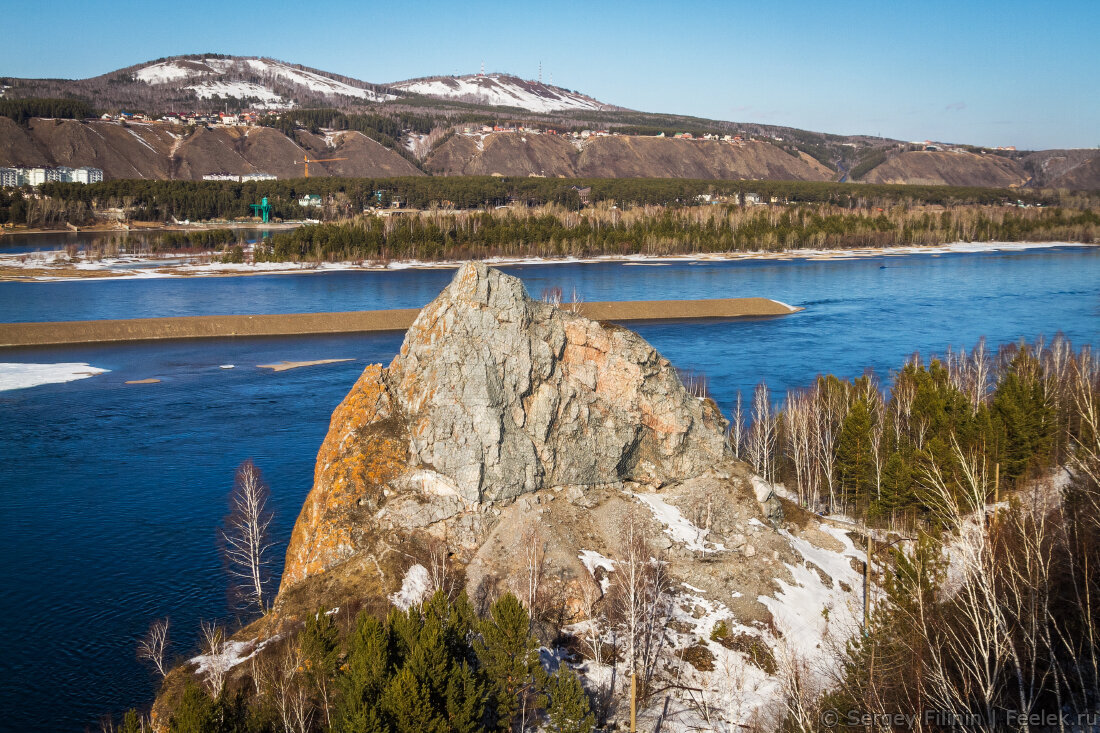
{"points": [[989, 73]]}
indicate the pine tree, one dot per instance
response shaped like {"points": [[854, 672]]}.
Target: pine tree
{"points": [[465, 700], [318, 645], [409, 706], [364, 677], [509, 656], [131, 722], [854, 462], [570, 710]]}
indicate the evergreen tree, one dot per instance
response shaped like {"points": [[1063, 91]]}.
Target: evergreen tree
{"points": [[408, 705], [131, 722], [1024, 419], [364, 677], [570, 710], [509, 656], [465, 699], [854, 461], [318, 645]]}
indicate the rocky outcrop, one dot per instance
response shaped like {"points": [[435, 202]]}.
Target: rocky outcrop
{"points": [[939, 168], [493, 396], [511, 154]]}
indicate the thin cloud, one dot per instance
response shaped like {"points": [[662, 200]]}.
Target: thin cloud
{"points": [[955, 107]]}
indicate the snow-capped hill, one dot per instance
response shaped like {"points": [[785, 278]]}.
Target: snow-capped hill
{"points": [[273, 83], [500, 90]]}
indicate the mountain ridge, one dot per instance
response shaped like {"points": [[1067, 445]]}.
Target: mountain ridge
{"points": [[442, 104]]}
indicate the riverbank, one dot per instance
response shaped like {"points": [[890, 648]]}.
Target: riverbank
{"points": [[146, 227], [58, 266], [382, 321]]}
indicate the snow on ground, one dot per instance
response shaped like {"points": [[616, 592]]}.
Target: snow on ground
{"points": [[500, 91], [414, 588], [593, 560], [814, 616], [141, 140], [22, 376], [239, 89], [182, 266], [164, 72], [233, 653], [314, 82], [676, 524]]}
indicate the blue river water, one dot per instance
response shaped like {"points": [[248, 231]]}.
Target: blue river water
{"points": [[111, 494]]}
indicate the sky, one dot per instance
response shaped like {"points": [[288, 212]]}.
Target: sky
{"points": [[990, 73]]}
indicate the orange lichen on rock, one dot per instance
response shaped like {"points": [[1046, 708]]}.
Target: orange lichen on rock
{"points": [[364, 449]]}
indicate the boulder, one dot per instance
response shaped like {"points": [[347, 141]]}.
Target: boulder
{"points": [[493, 396]]}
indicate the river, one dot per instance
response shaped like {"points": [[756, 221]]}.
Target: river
{"points": [[112, 493]]}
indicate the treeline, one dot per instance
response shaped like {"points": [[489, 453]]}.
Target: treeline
{"points": [[555, 232], [435, 667], [147, 200], [21, 110], [845, 446], [990, 619]]}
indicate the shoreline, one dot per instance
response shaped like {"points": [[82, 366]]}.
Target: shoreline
{"points": [[59, 333], [36, 266], [146, 227]]}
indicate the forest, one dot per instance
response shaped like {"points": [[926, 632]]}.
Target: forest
{"points": [[58, 204], [653, 230], [984, 468]]}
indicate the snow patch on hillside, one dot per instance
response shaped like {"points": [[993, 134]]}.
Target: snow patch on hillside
{"points": [[677, 525], [238, 89], [414, 588], [22, 376], [501, 91], [815, 616], [314, 82]]}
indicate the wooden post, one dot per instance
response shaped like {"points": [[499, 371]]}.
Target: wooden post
{"points": [[867, 585], [996, 483], [633, 702]]}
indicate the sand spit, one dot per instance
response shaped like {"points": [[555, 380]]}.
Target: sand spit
{"points": [[282, 366], [295, 324], [143, 381]]}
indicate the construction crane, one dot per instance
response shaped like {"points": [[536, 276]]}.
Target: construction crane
{"points": [[307, 161]]}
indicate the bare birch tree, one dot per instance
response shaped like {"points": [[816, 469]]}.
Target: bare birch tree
{"points": [[737, 428], [153, 648], [245, 536]]}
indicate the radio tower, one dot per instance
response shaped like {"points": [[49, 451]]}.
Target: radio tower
{"points": [[540, 72], [482, 69]]}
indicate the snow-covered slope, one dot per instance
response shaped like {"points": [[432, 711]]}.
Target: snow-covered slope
{"points": [[249, 78], [501, 91]]}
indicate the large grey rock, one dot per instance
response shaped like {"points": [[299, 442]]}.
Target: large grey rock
{"points": [[506, 395]]}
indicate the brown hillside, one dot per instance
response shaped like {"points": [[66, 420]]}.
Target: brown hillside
{"points": [[17, 147], [367, 158], [137, 151], [270, 151], [649, 157], [505, 154], [512, 154], [211, 151], [1084, 176], [451, 157], [953, 169]]}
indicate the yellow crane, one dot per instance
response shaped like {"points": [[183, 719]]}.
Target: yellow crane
{"points": [[308, 160]]}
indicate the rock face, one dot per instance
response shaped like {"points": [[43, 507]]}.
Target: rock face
{"points": [[492, 396]]}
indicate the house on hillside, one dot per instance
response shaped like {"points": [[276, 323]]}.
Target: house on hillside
{"points": [[310, 199], [584, 194], [753, 199]]}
